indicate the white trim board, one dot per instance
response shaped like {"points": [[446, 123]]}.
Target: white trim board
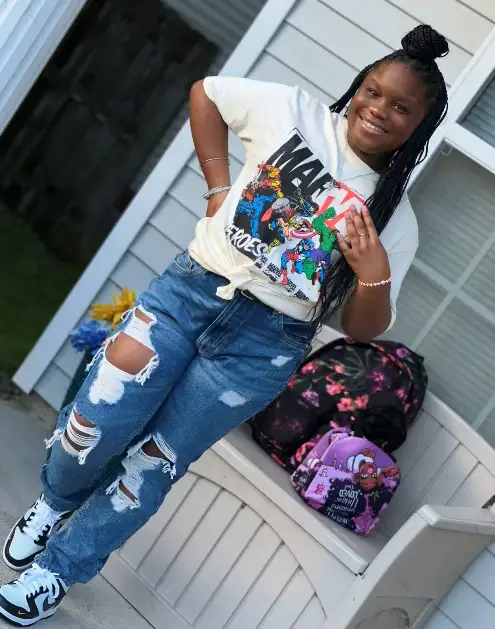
{"points": [[153, 190]]}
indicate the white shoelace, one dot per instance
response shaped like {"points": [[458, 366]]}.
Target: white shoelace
{"points": [[36, 579], [43, 516]]}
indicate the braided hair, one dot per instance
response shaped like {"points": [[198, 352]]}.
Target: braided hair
{"points": [[419, 50]]}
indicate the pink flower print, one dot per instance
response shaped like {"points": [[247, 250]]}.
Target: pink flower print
{"points": [[362, 401], [385, 360], [402, 352], [406, 408], [312, 398], [334, 425], [338, 368], [330, 379], [345, 404], [378, 376], [309, 368], [334, 389], [294, 425], [292, 382]]}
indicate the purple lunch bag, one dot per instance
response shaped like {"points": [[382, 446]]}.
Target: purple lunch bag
{"points": [[348, 479]]}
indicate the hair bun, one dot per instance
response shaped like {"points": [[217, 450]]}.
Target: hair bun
{"points": [[425, 44]]}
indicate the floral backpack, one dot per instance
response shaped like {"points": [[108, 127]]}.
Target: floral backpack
{"points": [[385, 382], [348, 479]]}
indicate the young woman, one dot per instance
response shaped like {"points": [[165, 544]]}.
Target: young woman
{"points": [[318, 220]]}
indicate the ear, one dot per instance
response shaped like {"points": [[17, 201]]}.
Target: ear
{"points": [[369, 453], [393, 470]]}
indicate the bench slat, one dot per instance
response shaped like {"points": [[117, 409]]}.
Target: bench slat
{"points": [[413, 487]]}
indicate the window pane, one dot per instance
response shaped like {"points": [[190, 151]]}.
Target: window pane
{"points": [[481, 118], [487, 429], [454, 204], [481, 285], [460, 359], [418, 300]]}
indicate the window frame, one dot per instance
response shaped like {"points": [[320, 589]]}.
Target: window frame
{"points": [[476, 76]]}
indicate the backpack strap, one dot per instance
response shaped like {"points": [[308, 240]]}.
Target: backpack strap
{"points": [[323, 350]]}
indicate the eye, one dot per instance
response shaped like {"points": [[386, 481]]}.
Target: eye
{"points": [[375, 476], [364, 476], [401, 109], [372, 92]]}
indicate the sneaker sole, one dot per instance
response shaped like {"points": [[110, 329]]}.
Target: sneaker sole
{"points": [[10, 565], [18, 622]]}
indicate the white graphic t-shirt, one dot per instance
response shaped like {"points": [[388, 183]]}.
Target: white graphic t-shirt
{"points": [[275, 234]]}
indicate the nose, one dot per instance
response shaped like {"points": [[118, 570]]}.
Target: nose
{"points": [[378, 109]]}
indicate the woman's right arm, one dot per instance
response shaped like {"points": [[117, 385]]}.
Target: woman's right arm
{"points": [[210, 135], [257, 112]]}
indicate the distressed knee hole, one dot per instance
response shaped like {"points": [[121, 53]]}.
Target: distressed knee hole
{"points": [[131, 351], [232, 399], [129, 356], [123, 489], [280, 361], [152, 453], [79, 438], [151, 449]]}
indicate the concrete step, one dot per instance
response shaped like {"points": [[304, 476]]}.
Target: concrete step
{"points": [[22, 453]]}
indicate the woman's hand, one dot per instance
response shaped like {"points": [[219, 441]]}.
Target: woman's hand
{"points": [[367, 313], [363, 250], [215, 203]]}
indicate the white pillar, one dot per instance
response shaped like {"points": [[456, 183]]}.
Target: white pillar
{"points": [[30, 31]]}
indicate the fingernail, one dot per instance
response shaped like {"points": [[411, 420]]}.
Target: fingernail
{"points": [[365, 209]]}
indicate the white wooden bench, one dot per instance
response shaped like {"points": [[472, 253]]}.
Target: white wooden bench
{"points": [[234, 546]]}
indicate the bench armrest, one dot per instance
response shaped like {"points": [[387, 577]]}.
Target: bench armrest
{"points": [[460, 519], [418, 566]]}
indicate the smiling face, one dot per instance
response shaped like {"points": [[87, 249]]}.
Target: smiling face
{"points": [[368, 477], [385, 111]]}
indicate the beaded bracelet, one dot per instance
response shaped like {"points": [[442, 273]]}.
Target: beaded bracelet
{"points": [[375, 284]]}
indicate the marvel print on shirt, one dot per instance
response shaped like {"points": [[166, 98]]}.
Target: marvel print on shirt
{"points": [[287, 217]]}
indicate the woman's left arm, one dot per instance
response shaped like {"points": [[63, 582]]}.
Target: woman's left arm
{"points": [[369, 311]]}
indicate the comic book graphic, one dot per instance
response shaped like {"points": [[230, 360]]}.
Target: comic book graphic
{"points": [[287, 217]]}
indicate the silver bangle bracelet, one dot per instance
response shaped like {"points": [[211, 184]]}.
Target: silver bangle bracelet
{"points": [[214, 191]]}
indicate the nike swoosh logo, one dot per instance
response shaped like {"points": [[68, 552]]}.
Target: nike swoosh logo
{"points": [[47, 604]]}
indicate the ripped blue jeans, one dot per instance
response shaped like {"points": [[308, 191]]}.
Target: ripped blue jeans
{"points": [[209, 365]]}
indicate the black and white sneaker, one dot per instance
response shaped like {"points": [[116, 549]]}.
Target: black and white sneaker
{"points": [[35, 595], [30, 535]]}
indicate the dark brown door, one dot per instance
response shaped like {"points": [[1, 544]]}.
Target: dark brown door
{"points": [[106, 98]]}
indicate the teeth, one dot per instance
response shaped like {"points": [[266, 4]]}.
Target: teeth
{"points": [[372, 127]]}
